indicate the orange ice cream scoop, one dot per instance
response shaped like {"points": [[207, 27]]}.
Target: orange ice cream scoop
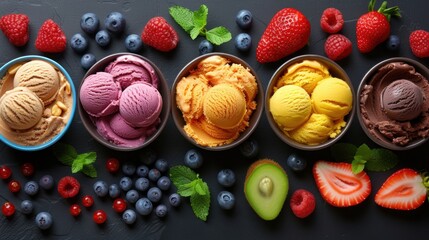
{"points": [[190, 96], [224, 106]]}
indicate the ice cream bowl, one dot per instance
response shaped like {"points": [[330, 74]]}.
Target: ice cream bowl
{"points": [[30, 140], [375, 114], [329, 136], [90, 122], [252, 121]]}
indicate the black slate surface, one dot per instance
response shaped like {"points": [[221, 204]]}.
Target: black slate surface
{"points": [[366, 220]]}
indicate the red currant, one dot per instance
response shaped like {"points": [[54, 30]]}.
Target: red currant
{"points": [[112, 165], [99, 216], [27, 169], [75, 210], [5, 172], [119, 205], [14, 186], [87, 201], [8, 209]]}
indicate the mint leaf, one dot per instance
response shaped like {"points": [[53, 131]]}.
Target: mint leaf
{"points": [[358, 164], [90, 171], [188, 189], [364, 151], [183, 17], [87, 158], [64, 153], [76, 166], [218, 35], [382, 160], [343, 152], [201, 204], [181, 175], [67, 155], [200, 187], [200, 17]]}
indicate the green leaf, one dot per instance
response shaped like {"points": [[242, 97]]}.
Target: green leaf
{"points": [[87, 158], [76, 166], [90, 171], [200, 187], [382, 160], [343, 152], [183, 16], [200, 205], [181, 175], [364, 151], [188, 189], [358, 164], [218, 35], [195, 32], [200, 17], [65, 153]]}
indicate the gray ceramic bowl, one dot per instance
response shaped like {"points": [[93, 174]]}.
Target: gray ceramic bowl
{"points": [[57, 137], [99, 66], [254, 119], [336, 71], [380, 140]]}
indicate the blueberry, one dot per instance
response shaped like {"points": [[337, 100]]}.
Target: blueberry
{"points": [[89, 23], [164, 183], [78, 43], [142, 184], [249, 148], [46, 182], [102, 38], [100, 188], [174, 200], [31, 188], [243, 42], [43, 220], [128, 169], [87, 61], [27, 207], [161, 165], [154, 194], [226, 200], [132, 196], [129, 216], [193, 159], [244, 19], [226, 177], [142, 171], [205, 47], [114, 190], [133, 43], [148, 157], [393, 42], [296, 163], [115, 22], [144, 206], [125, 183], [154, 174], [161, 210]]}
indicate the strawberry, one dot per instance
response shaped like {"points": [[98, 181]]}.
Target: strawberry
{"points": [[339, 186], [419, 43], [373, 27], [302, 203], [337, 47], [403, 190], [332, 20], [68, 187], [287, 32], [159, 34], [51, 38], [15, 27]]}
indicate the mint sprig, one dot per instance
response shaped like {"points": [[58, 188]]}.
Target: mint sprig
{"points": [[189, 184], [363, 157], [68, 155], [194, 23]]}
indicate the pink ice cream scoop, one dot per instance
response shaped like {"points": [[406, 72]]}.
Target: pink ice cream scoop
{"points": [[128, 69], [140, 105], [121, 128], [99, 94]]}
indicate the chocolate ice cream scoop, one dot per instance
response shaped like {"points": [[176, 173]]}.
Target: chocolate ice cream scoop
{"points": [[402, 100]]}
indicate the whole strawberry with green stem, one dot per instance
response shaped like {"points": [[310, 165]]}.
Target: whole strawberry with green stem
{"points": [[373, 27]]}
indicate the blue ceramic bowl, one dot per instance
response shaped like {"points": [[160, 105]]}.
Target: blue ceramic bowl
{"points": [[57, 137]]}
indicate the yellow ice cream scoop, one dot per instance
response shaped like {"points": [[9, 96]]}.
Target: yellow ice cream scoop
{"points": [[315, 131], [224, 106], [333, 97], [290, 107]]}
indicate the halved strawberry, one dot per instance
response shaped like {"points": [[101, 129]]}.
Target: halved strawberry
{"points": [[339, 186], [403, 190]]}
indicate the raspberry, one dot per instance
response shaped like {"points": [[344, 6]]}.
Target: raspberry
{"points": [[51, 38], [15, 27], [337, 47], [68, 187], [332, 20], [419, 43], [302, 203], [159, 34]]}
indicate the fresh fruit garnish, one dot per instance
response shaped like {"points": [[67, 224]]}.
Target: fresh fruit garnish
{"points": [[373, 27], [243, 42], [226, 200], [339, 186], [87, 61], [83, 162], [46, 182], [226, 177], [144, 206], [244, 19], [332, 20], [161, 210], [296, 162], [163, 183], [266, 187], [99, 216], [132, 196], [142, 170], [14, 186], [154, 174], [87, 201], [102, 38], [133, 43], [193, 159], [43, 220], [162, 165], [174, 200], [302, 203], [115, 22], [128, 169], [405, 189], [205, 47], [78, 43], [8, 209], [27, 169], [119, 205], [51, 38], [15, 28], [68, 187], [142, 184], [5, 172], [113, 165], [31, 188], [287, 32], [154, 194], [27, 207], [249, 148], [129, 216], [100, 188], [393, 42], [75, 210], [89, 23], [125, 183], [337, 47], [159, 34], [419, 43]]}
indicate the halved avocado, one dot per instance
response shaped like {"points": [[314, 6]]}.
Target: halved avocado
{"points": [[266, 187]]}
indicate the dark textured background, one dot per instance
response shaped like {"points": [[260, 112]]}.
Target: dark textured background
{"points": [[365, 220]]}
